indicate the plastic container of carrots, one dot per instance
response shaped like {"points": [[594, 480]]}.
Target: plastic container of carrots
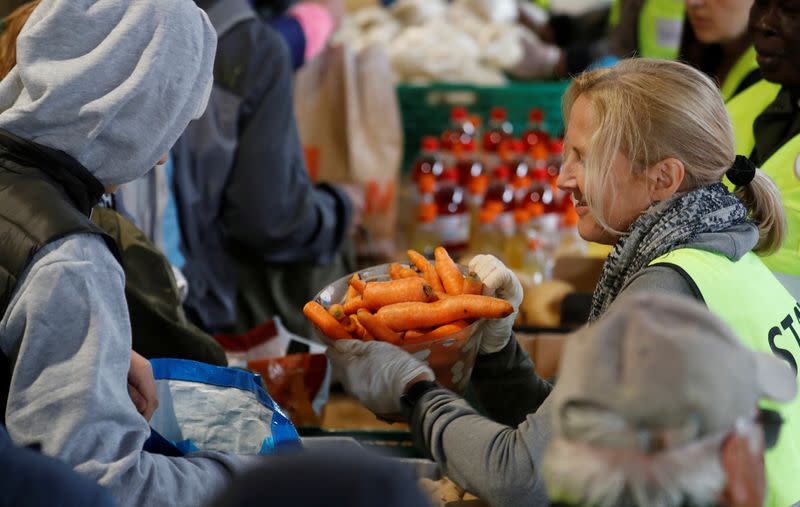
{"points": [[451, 357]]}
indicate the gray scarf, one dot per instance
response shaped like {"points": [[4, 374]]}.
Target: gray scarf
{"points": [[663, 227]]}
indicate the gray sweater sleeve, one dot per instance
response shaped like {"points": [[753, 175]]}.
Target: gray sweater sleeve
{"points": [[496, 459], [500, 464], [68, 335]]}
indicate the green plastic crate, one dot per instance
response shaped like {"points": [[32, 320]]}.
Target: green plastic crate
{"points": [[426, 108]]}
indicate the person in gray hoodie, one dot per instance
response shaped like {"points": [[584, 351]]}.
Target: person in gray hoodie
{"points": [[100, 92], [648, 143]]}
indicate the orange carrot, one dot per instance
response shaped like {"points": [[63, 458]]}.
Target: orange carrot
{"points": [[325, 321], [448, 272], [428, 271], [351, 293], [357, 283], [473, 284], [377, 328], [378, 294], [337, 311], [354, 304], [405, 316], [398, 271], [436, 334], [359, 330], [412, 334]]}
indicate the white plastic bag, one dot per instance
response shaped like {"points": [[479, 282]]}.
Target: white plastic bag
{"points": [[210, 408]]}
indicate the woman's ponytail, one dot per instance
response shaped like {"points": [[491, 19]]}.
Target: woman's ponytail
{"points": [[763, 200]]}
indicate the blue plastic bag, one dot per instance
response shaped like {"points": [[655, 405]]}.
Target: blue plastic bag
{"points": [[210, 408]]}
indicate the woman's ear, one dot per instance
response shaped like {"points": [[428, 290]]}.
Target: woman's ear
{"points": [[665, 178]]}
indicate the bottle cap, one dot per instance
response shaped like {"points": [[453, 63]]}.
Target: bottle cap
{"points": [[536, 115], [430, 143], [539, 174], [535, 209], [494, 206], [426, 184], [502, 173], [487, 216], [458, 113], [498, 114], [426, 213], [477, 185], [539, 152], [450, 175]]}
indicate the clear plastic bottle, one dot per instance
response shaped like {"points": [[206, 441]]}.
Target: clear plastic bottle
{"points": [[487, 238], [517, 244], [452, 222], [535, 265], [429, 160], [570, 242], [473, 180], [535, 134], [520, 168], [461, 129], [555, 160], [500, 198], [498, 131], [540, 193], [425, 237]]}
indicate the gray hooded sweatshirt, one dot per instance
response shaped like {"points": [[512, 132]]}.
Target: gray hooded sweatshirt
{"points": [[499, 458], [113, 83]]}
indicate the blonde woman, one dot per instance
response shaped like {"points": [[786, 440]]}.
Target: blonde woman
{"points": [[647, 145]]}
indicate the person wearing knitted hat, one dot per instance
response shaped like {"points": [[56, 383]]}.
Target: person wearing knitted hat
{"points": [[641, 419], [100, 91]]}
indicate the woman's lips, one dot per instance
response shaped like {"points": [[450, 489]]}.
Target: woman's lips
{"points": [[581, 206]]}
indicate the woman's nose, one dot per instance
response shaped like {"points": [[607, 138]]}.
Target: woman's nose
{"points": [[566, 179]]}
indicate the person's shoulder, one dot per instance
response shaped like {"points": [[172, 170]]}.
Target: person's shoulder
{"points": [[249, 55], [662, 278], [76, 249]]}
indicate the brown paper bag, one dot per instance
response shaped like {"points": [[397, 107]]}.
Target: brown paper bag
{"points": [[349, 122]]}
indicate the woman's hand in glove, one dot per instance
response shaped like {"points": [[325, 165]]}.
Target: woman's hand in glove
{"points": [[500, 282], [377, 373]]}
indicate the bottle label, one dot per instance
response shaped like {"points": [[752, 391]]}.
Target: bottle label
{"points": [[453, 229], [505, 222]]}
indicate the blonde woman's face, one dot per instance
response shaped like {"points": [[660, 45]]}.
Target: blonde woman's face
{"points": [[625, 199], [718, 21]]}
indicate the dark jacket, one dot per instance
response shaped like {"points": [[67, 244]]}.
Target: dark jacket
{"points": [[28, 479], [241, 185], [777, 125], [159, 325], [45, 195]]}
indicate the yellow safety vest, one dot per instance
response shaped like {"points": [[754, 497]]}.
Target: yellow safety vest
{"points": [[741, 69], [766, 317], [783, 167], [660, 27]]}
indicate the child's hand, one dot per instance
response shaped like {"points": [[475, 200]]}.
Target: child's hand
{"points": [[142, 386]]}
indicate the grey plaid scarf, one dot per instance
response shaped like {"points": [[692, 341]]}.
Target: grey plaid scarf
{"points": [[663, 227]]}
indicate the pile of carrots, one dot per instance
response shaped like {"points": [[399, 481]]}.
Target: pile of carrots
{"points": [[415, 306]]}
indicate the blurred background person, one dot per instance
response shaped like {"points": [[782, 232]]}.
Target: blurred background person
{"points": [[258, 237], [717, 41], [766, 121], [627, 432]]}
